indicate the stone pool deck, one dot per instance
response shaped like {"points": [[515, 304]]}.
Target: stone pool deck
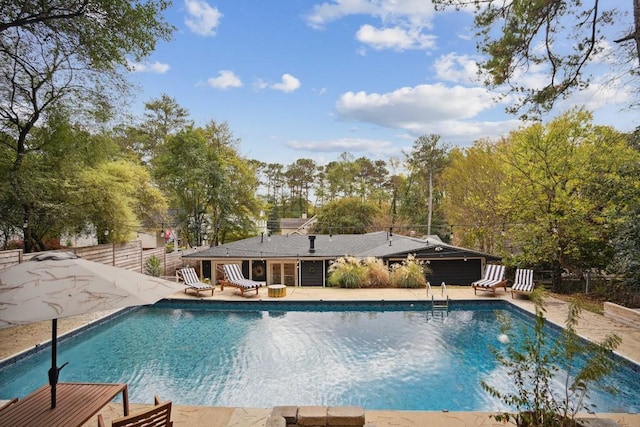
{"points": [[592, 326]]}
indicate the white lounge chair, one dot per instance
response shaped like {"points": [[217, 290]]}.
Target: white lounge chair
{"points": [[234, 278], [493, 278], [523, 283], [190, 278]]}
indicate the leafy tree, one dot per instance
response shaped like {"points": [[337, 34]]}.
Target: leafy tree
{"points": [[425, 162], [394, 185], [232, 197], [162, 117], [321, 186], [626, 244], [473, 182], [347, 215], [341, 176], [117, 198], [274, 174], [209, 182], [634, 138], [522, 34], [300, 177], [626, 238], [568, 189], [66, 53], [187, 169], [370, 178], [48, 179]]}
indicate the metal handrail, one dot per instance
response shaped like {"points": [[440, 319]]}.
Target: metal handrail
{"points": [[443, 291]]}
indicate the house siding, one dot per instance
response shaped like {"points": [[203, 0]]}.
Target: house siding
{"points": [[312, 273], [455, 271], [259, 271]]}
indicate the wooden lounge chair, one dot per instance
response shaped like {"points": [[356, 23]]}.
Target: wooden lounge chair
{"points": [[233, 277], [157, 416], [523, 283], [493, 279], [190, 278]]}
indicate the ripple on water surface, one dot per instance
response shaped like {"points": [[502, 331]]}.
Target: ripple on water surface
{"points": [[399, 360]]}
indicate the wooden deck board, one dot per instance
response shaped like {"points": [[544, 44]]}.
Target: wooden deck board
{"points": [[76, 404]]}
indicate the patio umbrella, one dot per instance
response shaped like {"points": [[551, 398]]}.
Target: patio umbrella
{"points": [[60, 284]]}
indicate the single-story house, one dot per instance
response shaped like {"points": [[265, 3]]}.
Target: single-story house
{"points": [[304, 260]]}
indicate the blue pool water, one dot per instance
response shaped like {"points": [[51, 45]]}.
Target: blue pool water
{"points": [[391, 356]]}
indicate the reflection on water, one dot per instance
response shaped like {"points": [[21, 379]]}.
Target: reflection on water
{"points": [[396, 360]]}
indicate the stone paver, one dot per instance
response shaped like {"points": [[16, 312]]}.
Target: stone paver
{"points": [[289, 413], [312, 416], [345, 416]]}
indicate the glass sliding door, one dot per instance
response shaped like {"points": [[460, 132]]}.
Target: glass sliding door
{"points": [[282, 273], [289, 273], [276, 274]]}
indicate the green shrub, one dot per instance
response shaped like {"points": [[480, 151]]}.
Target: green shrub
{"points": [[153, 266], [347, 272], [410, 273], [533, 366], [377, 273]]}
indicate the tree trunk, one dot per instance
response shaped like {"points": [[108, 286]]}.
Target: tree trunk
{"points": [[430, 204], [636, 21], [27, 240]]}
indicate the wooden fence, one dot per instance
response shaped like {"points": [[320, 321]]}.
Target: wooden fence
{"points": [[124, 255]]}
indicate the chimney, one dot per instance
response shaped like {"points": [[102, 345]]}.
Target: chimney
{"points": [[312, 248]]}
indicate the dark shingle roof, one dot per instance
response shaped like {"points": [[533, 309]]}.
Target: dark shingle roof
{"points": [[326, 246]]}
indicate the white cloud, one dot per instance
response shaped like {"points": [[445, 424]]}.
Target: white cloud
{"points": [[420, 103], [465, 132], [324, 13], [156, 67], [604, 91], [416, 13], [373, 147], [456, 68], [401, 22], [225, 79], [448, 111], [394, 38], [606, 54], [288, 84], [203, 19]]}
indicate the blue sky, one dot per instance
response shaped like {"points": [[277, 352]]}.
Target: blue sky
{"points": [[306, 79]]}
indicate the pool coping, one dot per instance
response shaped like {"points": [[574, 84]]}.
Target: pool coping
{"points": [[44, 345]]}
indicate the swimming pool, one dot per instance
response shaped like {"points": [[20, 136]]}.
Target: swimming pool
{"points": [[390, 355]]}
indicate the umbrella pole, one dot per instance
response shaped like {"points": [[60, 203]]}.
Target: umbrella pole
{"points": [[53, 371]]}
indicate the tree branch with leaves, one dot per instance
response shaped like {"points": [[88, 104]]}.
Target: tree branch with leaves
{"points": [[565, 36]]}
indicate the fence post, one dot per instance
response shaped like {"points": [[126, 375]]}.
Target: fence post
{"points": [[587, 281]]}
